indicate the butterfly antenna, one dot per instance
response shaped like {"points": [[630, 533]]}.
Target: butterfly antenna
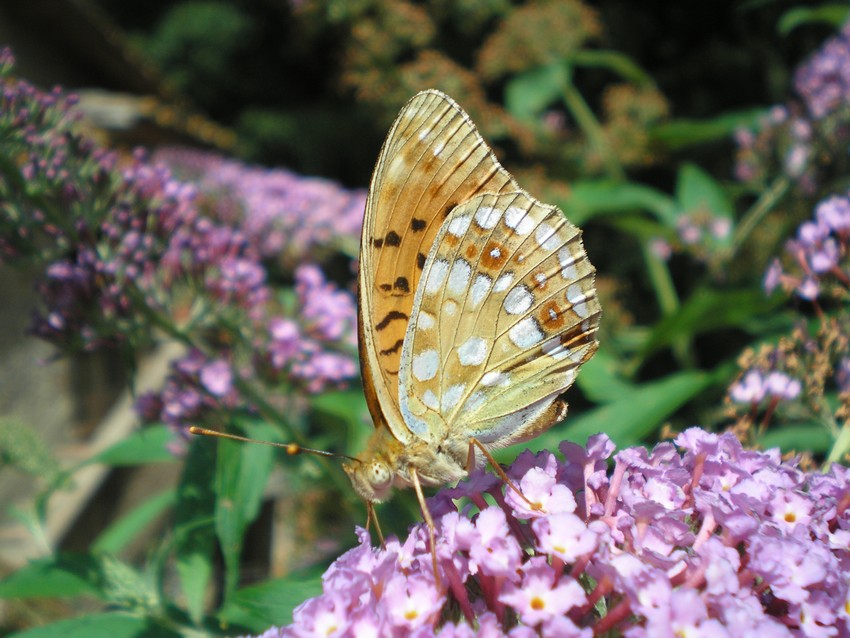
{"points": [[291, 448]]}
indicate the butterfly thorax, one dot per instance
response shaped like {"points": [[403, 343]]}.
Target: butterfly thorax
{"points": [[386, 463]]}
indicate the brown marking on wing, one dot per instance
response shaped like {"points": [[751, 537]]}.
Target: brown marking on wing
{"points": [[433, 159]]}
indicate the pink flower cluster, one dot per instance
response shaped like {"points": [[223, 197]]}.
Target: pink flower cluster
{"points": [[824, 80], [818, 254], [707, 540], [286, 216], [129, 252]]}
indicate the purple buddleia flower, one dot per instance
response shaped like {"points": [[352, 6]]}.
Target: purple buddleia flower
{"points": [[668, 553], [817, 258], [288, 217], [824, 80]]}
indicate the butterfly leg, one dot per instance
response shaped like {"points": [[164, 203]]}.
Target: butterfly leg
{"points": [[470, 465], [426, 514], [372, 515]]}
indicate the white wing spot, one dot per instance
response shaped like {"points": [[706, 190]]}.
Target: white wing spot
{"points": [[475, 401], [568, 261], [423, 134], [503, 282], [459, 277], [518, 220], [495, 378], [439, 149], [480, 288], [430, 400], [425, 320], [450, 308], [459, 225], [577, 298], [451, 396], [541, 279], [518, 300], [436, 276], [546, 237], [425, 365], [555, 349], [496, 253], [525, 333], [487, 217], [472, 352]]}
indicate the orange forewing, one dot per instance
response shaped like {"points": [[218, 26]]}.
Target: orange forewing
{"points": [[433, 160]]}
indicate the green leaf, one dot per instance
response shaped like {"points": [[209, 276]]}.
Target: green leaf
{"points": [[833, 14], [591, 198], [615, 61], [696, 190], [633, 416], [108, 625], [529, 93], [194, 530], [599, 379], [708, 310], [271, 603], [241, 474], [349, 407], [123, 531], [61, 576], [148, 445], [681, 133], [812, 437]]}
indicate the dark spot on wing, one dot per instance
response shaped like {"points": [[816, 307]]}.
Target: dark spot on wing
{"points": [[417, 224], [395, 347], [402, 284], [391, 316]]}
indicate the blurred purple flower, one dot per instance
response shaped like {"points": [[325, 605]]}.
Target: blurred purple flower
{"points": [[818, 253], [758, 561], [824, 80], [285, 215]]}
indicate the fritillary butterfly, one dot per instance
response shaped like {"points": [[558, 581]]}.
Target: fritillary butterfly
{"points": [[477, 308], [477, 305]]}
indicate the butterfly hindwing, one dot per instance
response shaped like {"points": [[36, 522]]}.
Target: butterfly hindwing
{"points": [[433, 160], [505, 314]]}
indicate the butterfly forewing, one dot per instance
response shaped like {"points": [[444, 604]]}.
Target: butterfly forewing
{"points": [[505, 314], [433, 160]]}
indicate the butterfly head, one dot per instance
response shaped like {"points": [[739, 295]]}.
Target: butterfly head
{"points": [[372, 479], [376, 471]]}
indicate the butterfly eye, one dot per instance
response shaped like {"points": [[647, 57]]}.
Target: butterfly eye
{"points": [[379, 475]]}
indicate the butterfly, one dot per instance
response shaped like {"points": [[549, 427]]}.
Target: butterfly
{"points": [[477, 305]]}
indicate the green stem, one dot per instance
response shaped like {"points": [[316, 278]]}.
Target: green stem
{"points": [[841, 447], [757, 211], [588, 123]]}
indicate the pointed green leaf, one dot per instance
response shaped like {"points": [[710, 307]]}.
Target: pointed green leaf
{"points": [[148, 445], [599, 379], [241, 474], [59, 576], [697, 191], [529, 93], [194, 515], [271, 603], [709, 310], [123, 531], [591, 198], [833, 14], [681, 133], [110, 624]]}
